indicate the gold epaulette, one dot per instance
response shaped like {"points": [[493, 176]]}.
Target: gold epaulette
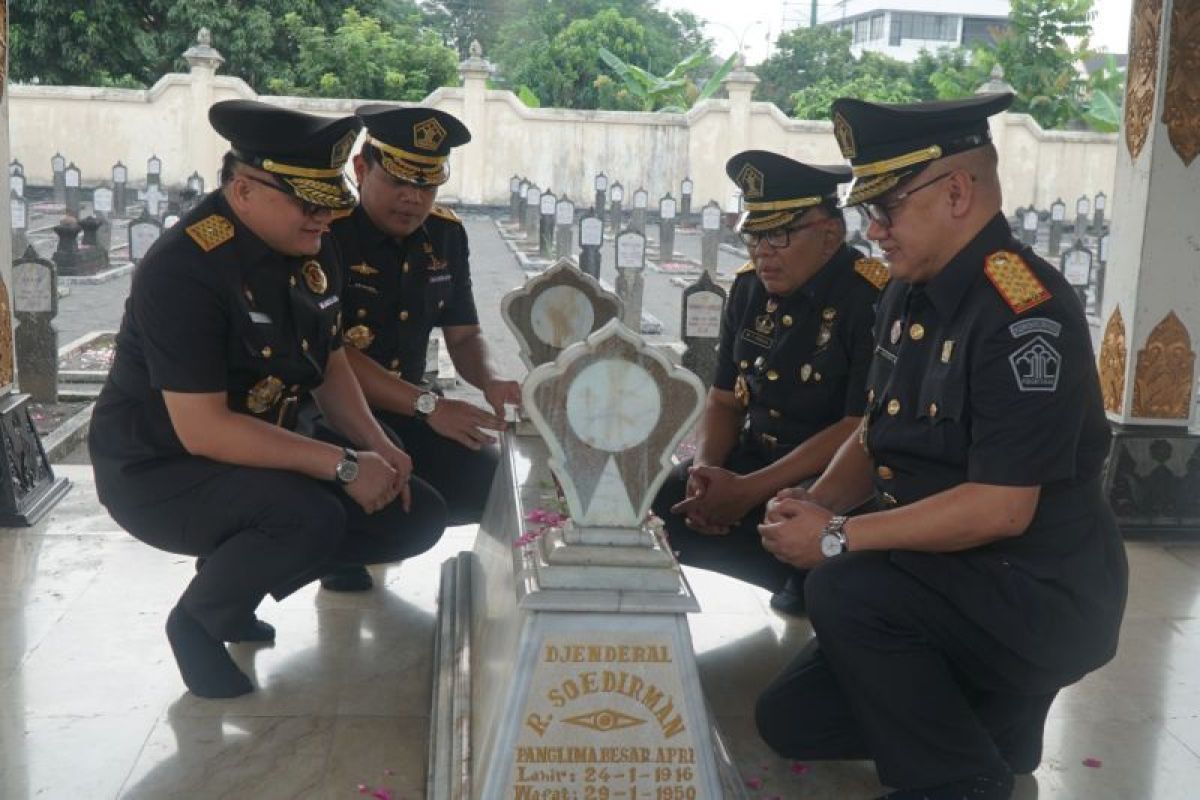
{"points": [[1015, 281], [445, 213], [210, 232], [873, 271], [341, 213], [744, 268]]}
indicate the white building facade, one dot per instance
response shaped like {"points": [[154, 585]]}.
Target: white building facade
{"points": [[903, 28]]}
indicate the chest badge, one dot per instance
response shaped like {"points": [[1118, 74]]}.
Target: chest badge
{"points": [[264, 394], [825, 334], [314, 277], [364, 269], [829, 314], [764, 324], [359, 337]]}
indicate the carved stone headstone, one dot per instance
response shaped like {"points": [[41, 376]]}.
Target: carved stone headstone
{"points": [[1098, 206], [19, 218], [710, 237], [58, 168], [564, 228], [556, 309], [71, 184], [102, 200], [616, 196], [533, 211], [514, 200], [92, 257], [578, 636], [1058, 214], [1083, 211], [547, 206], [16, 183], [591, 239], [685, 200], [631, 263], [1029, 226], [600, 187], [1077, 269], [700, 326], [120, 177], [66, 253], [153, 172], [666, 228], [637, 219], [143, 232], [522, 191], [35, 301]]}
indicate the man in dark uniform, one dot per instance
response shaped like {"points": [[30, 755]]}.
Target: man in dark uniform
{"points": [[946, 623], [407, 271], [793, 355], [232, 320]]}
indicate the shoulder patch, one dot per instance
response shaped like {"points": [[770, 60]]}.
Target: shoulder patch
{"points": [[445, 213], [1015, 281], [210, 232], [744, 268], [873, 271]]}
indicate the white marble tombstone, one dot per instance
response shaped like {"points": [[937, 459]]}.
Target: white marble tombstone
{"points": [[565, 662], [556, 309]]}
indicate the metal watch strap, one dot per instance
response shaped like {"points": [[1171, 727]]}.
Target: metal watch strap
{"points": [[836, 526]]}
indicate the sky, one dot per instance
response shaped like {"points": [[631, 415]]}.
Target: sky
{"points": [[757, 22]]}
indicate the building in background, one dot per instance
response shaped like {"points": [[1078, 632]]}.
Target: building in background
{"points": [[903, 28]]}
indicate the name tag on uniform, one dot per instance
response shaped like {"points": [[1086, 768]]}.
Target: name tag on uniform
{"points": [[888, 354], [440, 278], [327, 302], [260, 318]]}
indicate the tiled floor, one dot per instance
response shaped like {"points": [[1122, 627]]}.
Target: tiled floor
{"points": [[91, 705]]}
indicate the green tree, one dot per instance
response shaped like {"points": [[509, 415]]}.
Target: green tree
{"points": [[675, 91], [873, 77], [951, 72], [804, 57], [361, 58]]}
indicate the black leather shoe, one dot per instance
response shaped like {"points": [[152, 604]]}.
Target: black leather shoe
{"points": [[347, 579], [256, 631], [790, 599]]}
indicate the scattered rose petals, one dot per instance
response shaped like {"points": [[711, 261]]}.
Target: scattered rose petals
{"points": [[364, 789], [382, 794], [754, 783], [1094, 763], [799, 769]]}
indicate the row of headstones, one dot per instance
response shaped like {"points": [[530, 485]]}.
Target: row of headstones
{"points": [[1089, 221], [68, 191], [552, 221], [91, 254]]}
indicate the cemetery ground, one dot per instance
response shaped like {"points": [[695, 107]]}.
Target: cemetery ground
{"points": [[91, 704]]}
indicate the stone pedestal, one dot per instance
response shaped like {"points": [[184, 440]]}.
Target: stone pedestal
{"points": [[1150, 319], [565, 667], [32, 488], [66, 253]]}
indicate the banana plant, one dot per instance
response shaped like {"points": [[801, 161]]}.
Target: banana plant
{"points": [[669, 92]]}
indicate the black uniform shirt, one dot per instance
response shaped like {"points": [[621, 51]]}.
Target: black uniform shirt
{"points": [[397, 291], [211, 309], [799, 363], [985, 374]]}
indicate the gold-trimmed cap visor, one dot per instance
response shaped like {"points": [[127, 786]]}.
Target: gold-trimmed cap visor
{"points": [[413, 143], [887, 143], [306, 153], [410, 167], [777, 189]]}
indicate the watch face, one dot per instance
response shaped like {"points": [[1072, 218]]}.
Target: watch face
{"points": [[426, 403], [831, 545], [347, 470]]}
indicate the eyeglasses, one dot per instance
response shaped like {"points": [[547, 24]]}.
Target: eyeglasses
{"points": [[306, 208], [777, 238], [881, 213]]}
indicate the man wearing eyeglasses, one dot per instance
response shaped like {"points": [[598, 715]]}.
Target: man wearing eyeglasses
{"points": [[408, 271], [789, 387], [946, 623], [233, 319]]}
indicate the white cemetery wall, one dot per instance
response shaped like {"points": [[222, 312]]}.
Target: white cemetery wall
{"points": [[652, 150]]}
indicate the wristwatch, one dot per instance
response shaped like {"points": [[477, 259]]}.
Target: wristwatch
{"points": [[425, 405], [833, 539], [347, 469]]}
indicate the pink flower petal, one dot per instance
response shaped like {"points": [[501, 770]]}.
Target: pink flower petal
{"points": [[364, 789], [382, 794], [798, 768], [1094, 763], [754, 783]]}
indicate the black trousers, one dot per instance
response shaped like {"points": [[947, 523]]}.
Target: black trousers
{"points": [[897, 675], [272, 531], [739, 553], [462, 476]]}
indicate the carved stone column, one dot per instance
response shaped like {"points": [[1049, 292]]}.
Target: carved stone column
{"points": [[1150, 319]]}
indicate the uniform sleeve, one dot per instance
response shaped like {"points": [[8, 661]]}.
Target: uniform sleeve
{"points": [[461, 308], [862, 349], [1025, 394], [726, 373], [184, 328]]}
